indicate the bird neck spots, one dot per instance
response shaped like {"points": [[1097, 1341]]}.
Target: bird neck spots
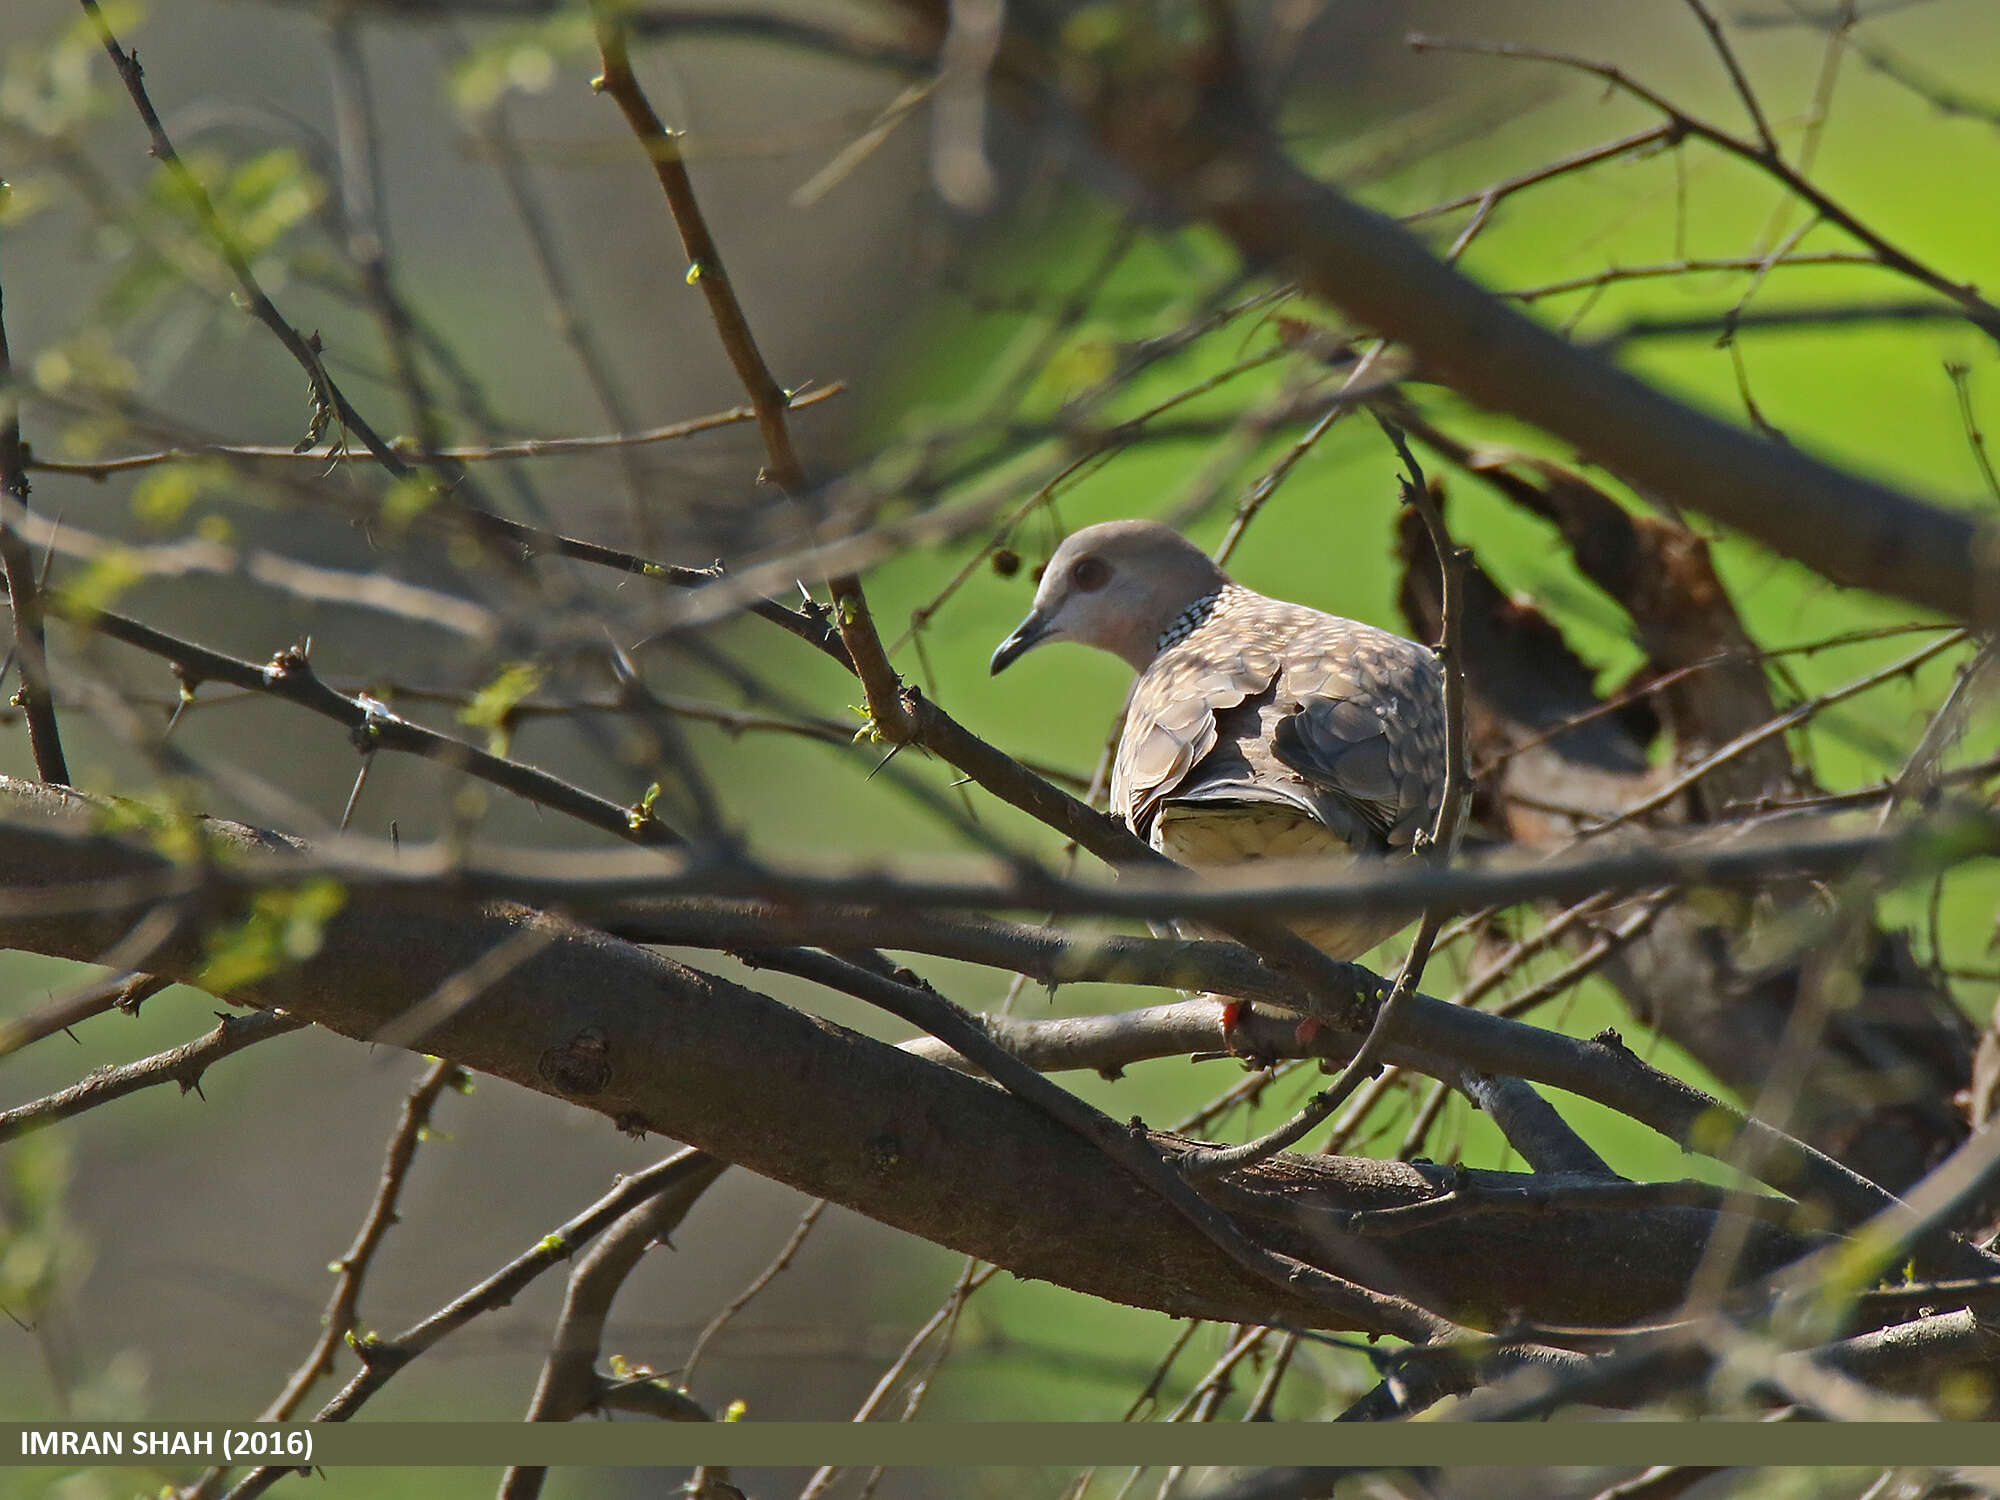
{"points": [[1191, 619]]}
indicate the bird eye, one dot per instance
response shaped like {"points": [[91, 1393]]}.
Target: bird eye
{"points": [[1090, 574]]}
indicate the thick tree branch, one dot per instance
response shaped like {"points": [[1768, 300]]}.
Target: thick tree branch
{"points": [[87, 886], [655, 1045]]}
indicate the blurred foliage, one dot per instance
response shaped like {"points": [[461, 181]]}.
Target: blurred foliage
{"points": [[283, 927], [38, 1249], [525, 58]]}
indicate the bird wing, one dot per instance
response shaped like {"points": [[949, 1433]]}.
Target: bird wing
{"points": [[1368, 725], [1170, 723]]}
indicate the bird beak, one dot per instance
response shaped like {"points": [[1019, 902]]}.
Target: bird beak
{"points": [[1028, 634]]}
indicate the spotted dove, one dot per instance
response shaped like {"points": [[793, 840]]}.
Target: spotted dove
{"points": [[1257, 728]]}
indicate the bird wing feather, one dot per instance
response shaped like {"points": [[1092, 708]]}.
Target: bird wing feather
{"points": [[1369, 726], [1170, 724], [1278, 703]]}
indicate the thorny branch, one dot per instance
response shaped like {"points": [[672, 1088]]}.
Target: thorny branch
{"points": [[341, 1318]]}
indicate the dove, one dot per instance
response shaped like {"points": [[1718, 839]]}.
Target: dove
{"points": [[1257, 728]]}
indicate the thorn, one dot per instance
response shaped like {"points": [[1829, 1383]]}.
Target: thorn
{"points": [[360, 780]]}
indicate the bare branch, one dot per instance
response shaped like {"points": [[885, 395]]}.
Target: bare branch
{"points": [[182, 1065], [342, 1311], [1736, 76], [548, 447], [706, 270], [685, 1175], [24, 591]]}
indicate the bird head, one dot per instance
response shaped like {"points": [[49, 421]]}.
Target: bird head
{"points": [[1115, 586]]}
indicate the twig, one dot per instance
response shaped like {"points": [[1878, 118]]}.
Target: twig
{"points": [[289, 675], [329, 404], [124, 987], [1487, 197], [1650, 685], [342, 1310], [1766, 159], [1661, 1482], [1601, 947], [1936, 92], [1811, 318], [1259, 494], [1090, 445], [198, 557], [685, 1174], [827, 38], [183, 1065], [1263, 1402], [1743, 90], [1205, 1397], [1545, 1141], [367, 243], [570, 1385], [24, 591], [706, 270], [970, 1280], [1821, 110], [1789, 719], [514, 541], [549, 447], [1544, 1192], [971, 1277], [571, 325], [1733, 319], [1691, 266], [1961, 384], [1149, 1393], [744, 1298]]}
